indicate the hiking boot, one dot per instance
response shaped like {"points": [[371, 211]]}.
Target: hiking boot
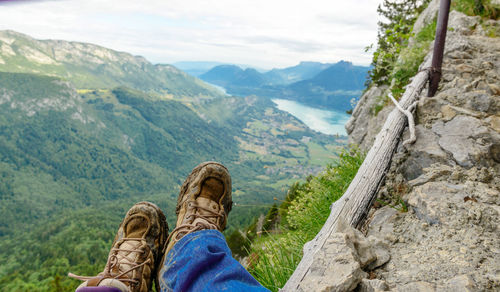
{"points": [[135, 253], [203, 203]]}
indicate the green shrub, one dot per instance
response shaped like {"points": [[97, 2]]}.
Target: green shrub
{"points": [[410, 59]]}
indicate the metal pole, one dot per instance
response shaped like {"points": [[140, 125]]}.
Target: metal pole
{"points": [[437, 56]]}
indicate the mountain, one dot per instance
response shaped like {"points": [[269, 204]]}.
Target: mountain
{"points": [[331, 86], [91, 66], [340, 76], [196, 68], [73, 159], [302, 71], [234, 76]]}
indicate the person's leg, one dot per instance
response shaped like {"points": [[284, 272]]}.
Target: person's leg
{"points": [[202, 261], [197, 257], [135, 254]]}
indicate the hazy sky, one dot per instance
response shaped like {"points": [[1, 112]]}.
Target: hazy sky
{"points": [[262, 33]]}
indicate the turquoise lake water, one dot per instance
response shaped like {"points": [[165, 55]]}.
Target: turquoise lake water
{"points": [[325, 121]]}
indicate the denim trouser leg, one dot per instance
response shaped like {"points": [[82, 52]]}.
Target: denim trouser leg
{"points": [[202, 261]]}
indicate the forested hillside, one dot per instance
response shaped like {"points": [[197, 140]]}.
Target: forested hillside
{"points": [[94, 67], [74, 156]]}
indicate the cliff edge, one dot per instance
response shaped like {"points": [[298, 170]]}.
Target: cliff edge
{"points": [[437, 215]]}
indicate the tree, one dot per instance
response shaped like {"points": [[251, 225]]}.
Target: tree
{"points": [[393, 35]]}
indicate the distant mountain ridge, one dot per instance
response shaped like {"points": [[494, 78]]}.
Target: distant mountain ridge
{"points": [[232, 75], [92, 66], [316, 84], [196, 68], [304, 70]]}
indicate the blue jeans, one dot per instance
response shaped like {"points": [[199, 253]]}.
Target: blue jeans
{"points": [[202, 261]]}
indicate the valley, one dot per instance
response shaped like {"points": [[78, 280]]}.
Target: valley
{"points": [[81, 141]]}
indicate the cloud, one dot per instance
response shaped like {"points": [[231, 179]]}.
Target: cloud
{"points": [[259, 32]]}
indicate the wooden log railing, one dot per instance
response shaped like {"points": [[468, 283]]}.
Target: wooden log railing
{"points": [[354, 205]]}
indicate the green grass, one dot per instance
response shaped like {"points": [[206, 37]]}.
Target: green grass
{"points": [[276, 255], [406, 66], [486, 10], [410, 59]]}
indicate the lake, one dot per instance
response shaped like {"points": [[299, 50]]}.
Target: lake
{"points": [[325, 121]]}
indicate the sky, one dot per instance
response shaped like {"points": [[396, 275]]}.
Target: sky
{"points": [[261, 33]]}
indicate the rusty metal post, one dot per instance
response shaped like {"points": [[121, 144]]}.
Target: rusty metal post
{"points": [[437, 56]]}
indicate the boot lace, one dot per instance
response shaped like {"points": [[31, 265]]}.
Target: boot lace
{"points": [[187, 228], [114, 261]]}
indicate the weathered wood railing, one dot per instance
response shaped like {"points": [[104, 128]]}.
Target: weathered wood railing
{"points": [[356, 201]]}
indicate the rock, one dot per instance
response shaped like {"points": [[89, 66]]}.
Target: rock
{"points": [[344, 256], [363, 126], [361, 114], [426, 17], [374, 285], [381, 251], [494, 152], [448, 112], [430, 201], [458, 137], [381, 224], [432, 173], [338, 259], [455, 42], [462, 283], [448, 240], [495, 89], [494, 123], [463, 68], [462, 23], [424, 152], [480, 102], [416, 287], [363, 248]]}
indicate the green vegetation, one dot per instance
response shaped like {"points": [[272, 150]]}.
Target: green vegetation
{"points": [[91, 66], [72, 164], [395, 62], [483, 8], [393, 36], [410, 58], [277, 248]]}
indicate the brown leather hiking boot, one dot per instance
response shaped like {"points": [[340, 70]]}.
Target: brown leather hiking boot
{"points": [[204, 201], [136, 251]]}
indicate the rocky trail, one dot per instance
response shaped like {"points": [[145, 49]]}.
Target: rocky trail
{"points": [[449, 239], [435, 225]]}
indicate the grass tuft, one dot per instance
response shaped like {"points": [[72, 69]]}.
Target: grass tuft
{"points": [[274, 256]]}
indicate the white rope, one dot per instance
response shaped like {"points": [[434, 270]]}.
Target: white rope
{"points": [[409, 115]]}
